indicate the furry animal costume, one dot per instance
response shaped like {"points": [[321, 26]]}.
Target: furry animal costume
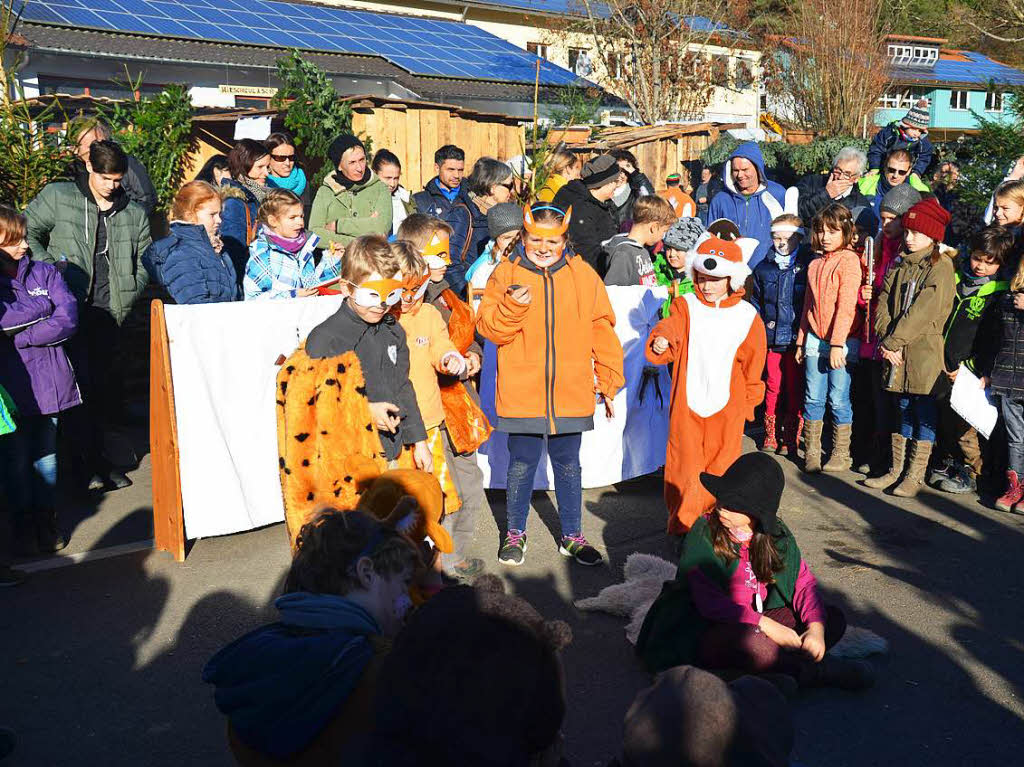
{"points": [[718, 350]]}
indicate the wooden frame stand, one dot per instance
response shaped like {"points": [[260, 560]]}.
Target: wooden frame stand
{"points": [[168, 520]]}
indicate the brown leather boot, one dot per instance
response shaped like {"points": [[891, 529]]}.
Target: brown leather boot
{"points": [[899, 453], [840, 459], [920, 452], [812, 451]]}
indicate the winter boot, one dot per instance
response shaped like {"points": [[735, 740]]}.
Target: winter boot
{"points": [[844, 673], [770, 441], [1014, 492], [920, 452], [812, 451], [899, 453], [840, 459], [48, 535]]}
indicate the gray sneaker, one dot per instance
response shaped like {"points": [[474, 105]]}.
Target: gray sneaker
{"points": [[960, 483], [945, 470], [513, 549]]}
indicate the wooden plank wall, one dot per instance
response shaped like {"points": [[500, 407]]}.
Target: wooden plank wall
{"points": [[414, 133]]}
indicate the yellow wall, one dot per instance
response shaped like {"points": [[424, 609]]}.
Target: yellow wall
{"points": [[519, 28]]}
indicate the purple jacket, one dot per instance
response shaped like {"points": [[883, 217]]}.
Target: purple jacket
{"points": [[37, 314]]}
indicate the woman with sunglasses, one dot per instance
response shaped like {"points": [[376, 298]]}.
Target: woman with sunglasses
{"points": [[490, 183], [285, 172]]}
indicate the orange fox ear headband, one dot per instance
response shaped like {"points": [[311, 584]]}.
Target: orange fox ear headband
{"points": [[436, 252], [548, 228]]}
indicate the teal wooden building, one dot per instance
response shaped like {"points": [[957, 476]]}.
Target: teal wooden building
{"points": [[956, 83]]}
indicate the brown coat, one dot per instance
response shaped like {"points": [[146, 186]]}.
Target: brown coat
{"points": [[918, 331]]}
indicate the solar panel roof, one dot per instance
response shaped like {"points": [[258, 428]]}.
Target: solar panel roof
{"points": [[976, 69], [421, 46]]}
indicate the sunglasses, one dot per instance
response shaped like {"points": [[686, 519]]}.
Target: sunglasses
{"points": [[377, 293], [283, 157], [897, 171]]}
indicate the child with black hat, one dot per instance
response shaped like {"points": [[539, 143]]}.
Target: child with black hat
{"points": [[743, 598]]}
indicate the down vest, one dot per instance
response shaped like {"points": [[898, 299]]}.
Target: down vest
{"points": [[62, 223], [554, 352], [188, 266]]}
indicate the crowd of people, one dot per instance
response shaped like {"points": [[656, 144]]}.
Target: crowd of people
{"points": [[849, 294]]}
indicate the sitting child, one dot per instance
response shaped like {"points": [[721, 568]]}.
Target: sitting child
{"points": [[628, 255], [779, 284], [743, 598], [716, 344], [282, 263], [504, 221], [296, 690], [191, 261], [910, 133]]}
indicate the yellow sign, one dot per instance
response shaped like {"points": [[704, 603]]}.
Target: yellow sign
{"points": [[247, 90]]}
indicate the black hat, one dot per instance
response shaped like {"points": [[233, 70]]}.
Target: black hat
{"points": [[340, 145], [599, 171], [752, 485]]}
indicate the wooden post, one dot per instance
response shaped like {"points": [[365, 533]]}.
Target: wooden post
{"points": [[168, 522]]}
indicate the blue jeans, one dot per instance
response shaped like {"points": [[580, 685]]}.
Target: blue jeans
{"points": [[918, 416], [523, 456], [824, 383], [30, 464], [1013, 418]]}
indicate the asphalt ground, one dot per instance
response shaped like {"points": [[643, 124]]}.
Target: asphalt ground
{"points": [[101, 658]]}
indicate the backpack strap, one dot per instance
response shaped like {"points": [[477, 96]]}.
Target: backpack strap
{"points": [[469, 229]]}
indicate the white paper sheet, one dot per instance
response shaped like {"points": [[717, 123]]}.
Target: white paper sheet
{"points": [[257, 128], [970, 402]]}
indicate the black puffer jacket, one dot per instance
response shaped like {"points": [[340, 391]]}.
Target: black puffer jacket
{"points": [[592, 223], [1005, 365], [814, 198]]}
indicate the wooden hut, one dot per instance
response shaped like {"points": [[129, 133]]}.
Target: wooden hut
{"points": [[660, 149], [410, 129]]}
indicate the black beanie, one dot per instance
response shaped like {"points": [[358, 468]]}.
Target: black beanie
{"points": [[340, 145]]}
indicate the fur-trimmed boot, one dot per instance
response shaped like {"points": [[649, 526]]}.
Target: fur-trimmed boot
{"points": [[899, 454], [840, 459], [770, 440], [1013, 494], [812, 451], [917, 466], [844, 673]]}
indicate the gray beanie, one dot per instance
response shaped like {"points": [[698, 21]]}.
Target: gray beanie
{"points": [[600, 171], [504, 217], [683, 234], [900, 199]]}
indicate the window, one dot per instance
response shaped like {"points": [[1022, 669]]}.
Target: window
{"points": [[579, 62], [903, 98], [720, 70], [744, 74], [959, 101], [994, 101], [538, 49], [615, 66], [906, 55], [96, 88], [251, 102]]}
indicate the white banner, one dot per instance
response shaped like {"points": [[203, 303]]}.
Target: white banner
{"points": [[223, 366]]}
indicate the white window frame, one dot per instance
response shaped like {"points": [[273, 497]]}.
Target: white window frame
{"points": [[901, 99], [994, 101], [539, 49], [959, 101]]}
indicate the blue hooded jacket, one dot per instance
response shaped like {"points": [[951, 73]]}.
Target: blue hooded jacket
{"points": [[754, 214], [187, 265], [281, 684]]}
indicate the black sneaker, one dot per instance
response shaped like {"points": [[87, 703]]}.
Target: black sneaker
{"points": [[513, 550], [962, 482], [576, 546], [11, 577]]}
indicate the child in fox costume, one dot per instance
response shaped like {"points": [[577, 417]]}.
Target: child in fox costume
{"points": [[717, 344]]}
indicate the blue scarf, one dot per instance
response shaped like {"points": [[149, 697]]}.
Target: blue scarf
{"points": [[281, 684], [293, 182]]}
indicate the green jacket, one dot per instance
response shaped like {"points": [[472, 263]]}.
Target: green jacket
{"points": [[918, 331], [673, 627], [868, 184], [62, 223], [351, 210]]}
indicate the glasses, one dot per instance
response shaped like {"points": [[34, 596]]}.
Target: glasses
{"points": [[283, 157], [897, 171], [510, 186], [844, 174]]}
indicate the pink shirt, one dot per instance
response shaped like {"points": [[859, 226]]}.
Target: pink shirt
{"points": [[739, 605]]}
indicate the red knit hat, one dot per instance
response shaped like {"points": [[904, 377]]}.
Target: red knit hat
{"points": [[929, 218]]}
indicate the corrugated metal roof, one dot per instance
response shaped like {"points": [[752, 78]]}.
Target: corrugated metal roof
{"points": [[961, 68]]}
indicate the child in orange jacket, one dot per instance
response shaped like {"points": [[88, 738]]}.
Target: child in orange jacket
{"points": [[717, 343], [548, 313]]}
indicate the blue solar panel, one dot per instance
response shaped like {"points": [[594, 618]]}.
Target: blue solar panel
{"points": [[422, 46], [979, 69]]}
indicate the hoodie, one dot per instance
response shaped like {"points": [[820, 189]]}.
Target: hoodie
{"points": [[283, 683], [754, 213]]}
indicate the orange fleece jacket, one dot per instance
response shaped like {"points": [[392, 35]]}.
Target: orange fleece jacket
{"points": [[427, 337], [830, 305]]}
